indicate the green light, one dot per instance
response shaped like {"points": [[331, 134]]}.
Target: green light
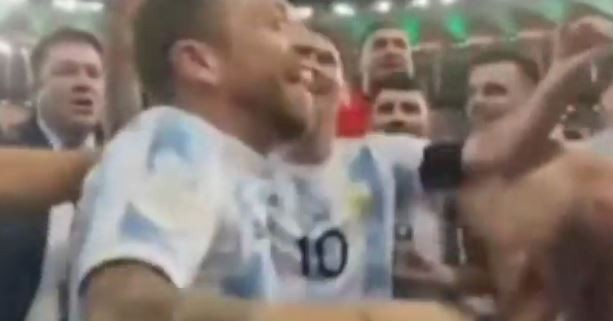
{"points": [[556, 10], [457, 24], [359, 26], [412, 26]]}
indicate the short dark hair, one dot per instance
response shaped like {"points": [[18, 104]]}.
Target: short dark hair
{"points": [[395, 81], [159, 25], [63, 35], [528, 66], [339, 40]]}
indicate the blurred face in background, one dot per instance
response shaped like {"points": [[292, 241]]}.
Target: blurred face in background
{"points": [[495, 89], [71, 88], [387, 51], [401, 112]]}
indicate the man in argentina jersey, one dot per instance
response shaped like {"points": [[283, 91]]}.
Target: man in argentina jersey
{"points": [[271, 234], [353, 185]]}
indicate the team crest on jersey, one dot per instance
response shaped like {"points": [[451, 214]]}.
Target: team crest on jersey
{"points": [[359, 199]]}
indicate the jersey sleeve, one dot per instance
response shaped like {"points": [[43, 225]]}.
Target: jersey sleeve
{"points": [[145, 203]]}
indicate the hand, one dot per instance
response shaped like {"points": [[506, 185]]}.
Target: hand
{"points": [[582, 34], [413, 267], [520, 140], [576, 45]]}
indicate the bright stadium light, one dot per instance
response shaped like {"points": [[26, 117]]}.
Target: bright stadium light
{"points": [[343, 9], [5, 48], [75, 5], [91, 6], [383, 6], [421, 3], [15, 2], [304, 12], [65, 5]]}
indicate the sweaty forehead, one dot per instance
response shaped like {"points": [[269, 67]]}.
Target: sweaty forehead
{"points": [[503, 73], [389, 34], [74, 52]]}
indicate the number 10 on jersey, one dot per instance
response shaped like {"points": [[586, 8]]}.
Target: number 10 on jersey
{"points": [[318, 257]]}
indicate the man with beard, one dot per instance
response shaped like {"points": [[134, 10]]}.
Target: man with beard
{"points": [[395, 158], [386, 49], [184, 202], [148, 293], [400, 107]]}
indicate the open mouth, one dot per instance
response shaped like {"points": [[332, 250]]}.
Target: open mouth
{"points": [[392, 62], [83, 105], [395, 127]]}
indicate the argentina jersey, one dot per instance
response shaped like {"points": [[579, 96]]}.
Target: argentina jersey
{"points": [[171, 192], [333, 241], [174, 193], [336, 241]]}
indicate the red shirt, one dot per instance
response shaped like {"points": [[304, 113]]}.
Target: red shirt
{"points": [[353, 120]]}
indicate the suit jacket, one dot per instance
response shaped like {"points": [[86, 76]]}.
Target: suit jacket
{"points": [[23, 241]]}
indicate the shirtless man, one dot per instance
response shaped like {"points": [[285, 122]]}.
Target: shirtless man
{"points": [[533, 221]]}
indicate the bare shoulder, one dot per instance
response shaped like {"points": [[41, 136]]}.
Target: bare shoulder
{"points": [[587, 165]]}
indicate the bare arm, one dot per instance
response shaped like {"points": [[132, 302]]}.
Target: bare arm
{"points": [[129, 292], [33, 180], [123, 90], [521, 139], [136, 292]]}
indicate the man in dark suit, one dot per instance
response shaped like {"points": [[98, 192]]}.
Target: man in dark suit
{"points": [[69, 99]]}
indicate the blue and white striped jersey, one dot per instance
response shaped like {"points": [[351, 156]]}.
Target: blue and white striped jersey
{"points": [[173, 192]]}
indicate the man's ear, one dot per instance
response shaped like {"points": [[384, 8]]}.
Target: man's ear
{"points": [[195, 61]]}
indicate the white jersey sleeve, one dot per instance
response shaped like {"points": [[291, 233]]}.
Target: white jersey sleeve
{"points": [[144, 202], [404, 154]]}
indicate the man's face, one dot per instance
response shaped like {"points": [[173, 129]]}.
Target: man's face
{"points": [[319, 54], [262, 71], [71, 87], [386, 51], [401, 112], [496, 89]]}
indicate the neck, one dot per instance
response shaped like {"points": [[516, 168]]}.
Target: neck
{"points": [[232, 119], [69, 139], [303, 156], [310, 150]]}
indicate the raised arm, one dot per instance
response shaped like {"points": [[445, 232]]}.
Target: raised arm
{"points": [[132, 291], [33, 180], [521, 140], [124, 99]]}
